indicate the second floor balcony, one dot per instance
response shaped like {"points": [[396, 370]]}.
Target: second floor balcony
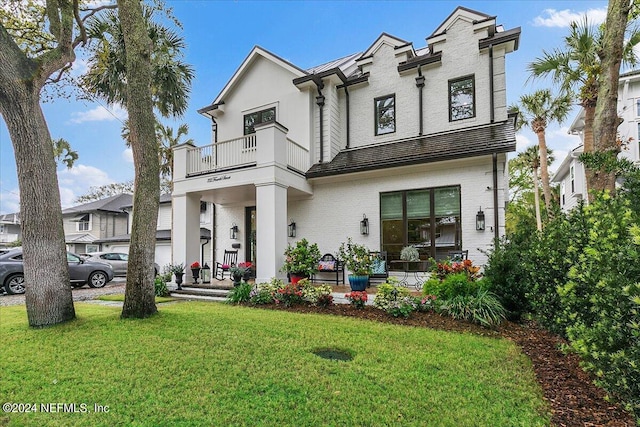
{"points": [[244, 152]]}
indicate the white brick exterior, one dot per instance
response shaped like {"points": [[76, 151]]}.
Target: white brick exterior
{"points": [[328, 209]]}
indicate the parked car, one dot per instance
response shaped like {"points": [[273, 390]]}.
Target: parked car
{"points": [[81, 272], [117, 260]]}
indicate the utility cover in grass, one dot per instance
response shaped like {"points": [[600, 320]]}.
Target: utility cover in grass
{"points": [[333, 354]]}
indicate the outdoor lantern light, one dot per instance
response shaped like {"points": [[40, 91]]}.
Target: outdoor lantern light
{"points": [[364, 225], [480, 220], [205, 273], [233, 232], [292, 229]]}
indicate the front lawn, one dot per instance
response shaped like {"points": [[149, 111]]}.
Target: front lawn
{"points": [[201, 363]]}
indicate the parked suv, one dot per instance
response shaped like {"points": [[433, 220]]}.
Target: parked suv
{"points": [[117, 260], [81, 272]]}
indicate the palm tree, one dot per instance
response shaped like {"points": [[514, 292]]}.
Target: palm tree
{"points": [[537, 111], [577, 68], [531, 157], [148, 75], [167, 142], [106, 76]]}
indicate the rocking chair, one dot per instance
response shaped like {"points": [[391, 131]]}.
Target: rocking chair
{"points": [[230, 259]]}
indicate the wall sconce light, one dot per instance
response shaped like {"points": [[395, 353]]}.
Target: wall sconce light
{"points": [[233, 232], [480, 220], [364, 225], [292, 228]]}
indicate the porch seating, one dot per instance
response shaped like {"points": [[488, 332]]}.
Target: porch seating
{"points": [[380, 267], [459, 255], [229, 260], [329, 264]]}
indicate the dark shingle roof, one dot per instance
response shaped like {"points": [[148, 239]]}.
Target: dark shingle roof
{"points": [[479, 141], [111, 204]]}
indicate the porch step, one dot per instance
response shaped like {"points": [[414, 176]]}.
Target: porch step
{"points": [[215, 284], [218, 293]]}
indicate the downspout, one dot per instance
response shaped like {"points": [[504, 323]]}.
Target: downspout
{"points": [[420, 86], [496, 222], [491, 100], [320, 103], [346, 92]]}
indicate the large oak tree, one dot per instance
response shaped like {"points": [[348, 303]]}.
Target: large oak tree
{"points": [[31, 56]]}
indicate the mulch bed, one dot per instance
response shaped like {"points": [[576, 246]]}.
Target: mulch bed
{"points": [[573, 398]]}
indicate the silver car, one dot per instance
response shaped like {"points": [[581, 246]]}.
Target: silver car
{"points": [[81, 272], [117, 260]]}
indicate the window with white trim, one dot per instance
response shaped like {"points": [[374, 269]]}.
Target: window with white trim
{"points": [[84, 223], [257, 117]]}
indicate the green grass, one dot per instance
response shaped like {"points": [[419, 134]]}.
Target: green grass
{"points": [[201, 363], [120, 298]]}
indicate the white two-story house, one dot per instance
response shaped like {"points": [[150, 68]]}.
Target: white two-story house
{"points": [[410, 142], [571, 175]]}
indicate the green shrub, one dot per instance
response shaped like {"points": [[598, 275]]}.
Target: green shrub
{"points": [[451, 286], [387, 293], [402, 307], [483, 308], [160, 287], [289, 295], [316, 295], [264, 293], [240, 294]]}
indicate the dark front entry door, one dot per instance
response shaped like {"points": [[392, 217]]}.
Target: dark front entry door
{"points": [[250, 243]]}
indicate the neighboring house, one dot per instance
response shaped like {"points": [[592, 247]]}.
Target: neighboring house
{"points": [[120, 242], [86, 224], [413, 140], [9, 229], [570, 175]]}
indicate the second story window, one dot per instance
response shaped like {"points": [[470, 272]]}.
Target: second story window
{"points": [[637, 107], [84, 223], [572, 178], [385, 111], [263, 116], [462, 98]]}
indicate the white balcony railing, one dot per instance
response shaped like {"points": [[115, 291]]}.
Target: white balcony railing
{"points": [[239, 152], [222, 155], [297, 156]]}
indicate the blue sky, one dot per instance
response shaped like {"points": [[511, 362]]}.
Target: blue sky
{"points": [[220, 34]]}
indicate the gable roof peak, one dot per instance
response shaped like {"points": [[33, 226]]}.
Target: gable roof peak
{"points": [[461, 12], [383, 39]]}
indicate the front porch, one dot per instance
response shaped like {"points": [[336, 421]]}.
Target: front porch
{"points": [[251, 180]]}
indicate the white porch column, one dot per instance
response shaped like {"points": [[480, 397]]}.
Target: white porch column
{"points": [[271, 221], [185, 238], [180, 160]]}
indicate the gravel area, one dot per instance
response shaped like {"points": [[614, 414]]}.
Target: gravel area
{"points": [[85, 293]]}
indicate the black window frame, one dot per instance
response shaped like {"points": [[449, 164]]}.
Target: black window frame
{"points": [[433, 231], [261, 117], [471, 77], [376, 114]]}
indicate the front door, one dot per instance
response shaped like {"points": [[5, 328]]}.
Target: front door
{"points": [[250, 239]]}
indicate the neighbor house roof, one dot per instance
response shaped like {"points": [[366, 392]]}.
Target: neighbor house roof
{"points": [[10, 218], [108, 204], [479, 141]]}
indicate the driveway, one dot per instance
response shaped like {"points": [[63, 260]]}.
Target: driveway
{"points": [[116, 286]]}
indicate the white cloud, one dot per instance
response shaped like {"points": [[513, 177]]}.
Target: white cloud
{"points": [[564, 18], [99, 114], [522, 142], [127, 155], [76, 181]]}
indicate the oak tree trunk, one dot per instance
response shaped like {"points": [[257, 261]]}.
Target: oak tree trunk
{"points": [[48, 292], [140, 294]]}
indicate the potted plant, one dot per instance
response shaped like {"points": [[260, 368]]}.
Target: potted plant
{"points": [[239, 271], [358, 260], [178, 271], [195, 271], [301, 260], [409, 253]]}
